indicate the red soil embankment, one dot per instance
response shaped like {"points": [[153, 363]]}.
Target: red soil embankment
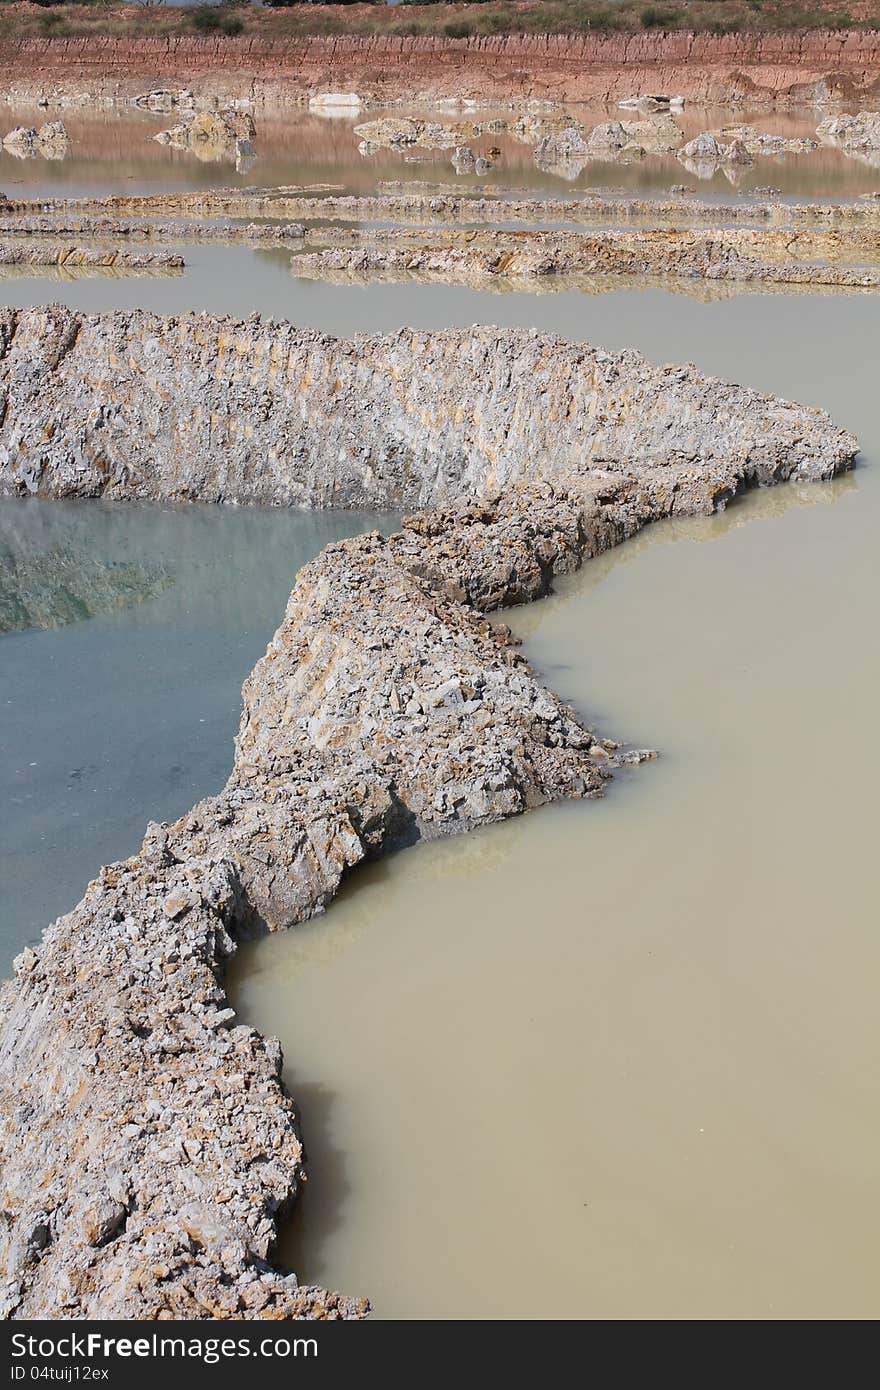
{"points": [[783, 68]]}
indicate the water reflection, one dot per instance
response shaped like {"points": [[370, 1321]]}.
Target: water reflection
{"points": [[694, 287], [115, 150], [50, 577], [72, 275]]}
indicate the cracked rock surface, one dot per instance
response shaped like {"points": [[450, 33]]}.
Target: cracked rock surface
{"points": [[47, 253], [473, 257], [134, 405], [320, 203]]}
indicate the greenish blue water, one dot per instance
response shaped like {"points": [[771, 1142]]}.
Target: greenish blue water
{"points": [[124, 707]]}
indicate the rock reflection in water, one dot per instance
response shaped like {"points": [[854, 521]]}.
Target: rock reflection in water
{"points": [[50, 577]]}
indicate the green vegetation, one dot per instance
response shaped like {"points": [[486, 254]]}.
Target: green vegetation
{"points": [[53, 23], [214, 19], [286, 18], [654, 18]]}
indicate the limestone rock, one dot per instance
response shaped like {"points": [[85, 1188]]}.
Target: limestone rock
{"points": [[262, 411], [22, 142], [388, 131], [632, 139], [52, 140], [103, 1220], [148, 1146], [758, 143], [435, 207], [565, 144], [737, 153], [166, 99], [211, 135], [858, 136], [335, 103], [860, 132], [652, 103], [477, 257], [660, 135], [703, 147], [85, 257]]}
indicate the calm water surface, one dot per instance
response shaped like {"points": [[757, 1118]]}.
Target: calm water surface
{"points": [[114, 151]]}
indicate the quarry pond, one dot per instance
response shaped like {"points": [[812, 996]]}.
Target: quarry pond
{"points": [[611, 1059]]}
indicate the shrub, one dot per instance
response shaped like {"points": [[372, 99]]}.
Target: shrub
{"points": [[210, 19], [458, 29], [654, 18]]}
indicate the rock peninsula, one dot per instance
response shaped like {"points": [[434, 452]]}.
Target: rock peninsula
{"points": [[149, 1148]]}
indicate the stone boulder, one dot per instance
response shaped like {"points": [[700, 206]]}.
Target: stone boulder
{"points": [[166, 99], [706, 153], [565, 153], [758, 143], [53, 141], [737, 153], [650, 104], [857, 136], [384, 132], [614, 139], [22, 142], [703, 147], [211, 135], [335, 103], [609, 137], [859, 133], [661, 135]]}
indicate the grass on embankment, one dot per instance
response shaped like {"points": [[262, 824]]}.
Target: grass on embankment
{"points": [[236, 18]]}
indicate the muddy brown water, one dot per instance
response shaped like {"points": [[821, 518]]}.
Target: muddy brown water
{"points": [[619, 1059]]}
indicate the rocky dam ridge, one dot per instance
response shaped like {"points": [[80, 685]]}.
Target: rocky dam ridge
{"points": [[149, 1148], [134, 405], [316, 204], [73, 256], [473, 258]]}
